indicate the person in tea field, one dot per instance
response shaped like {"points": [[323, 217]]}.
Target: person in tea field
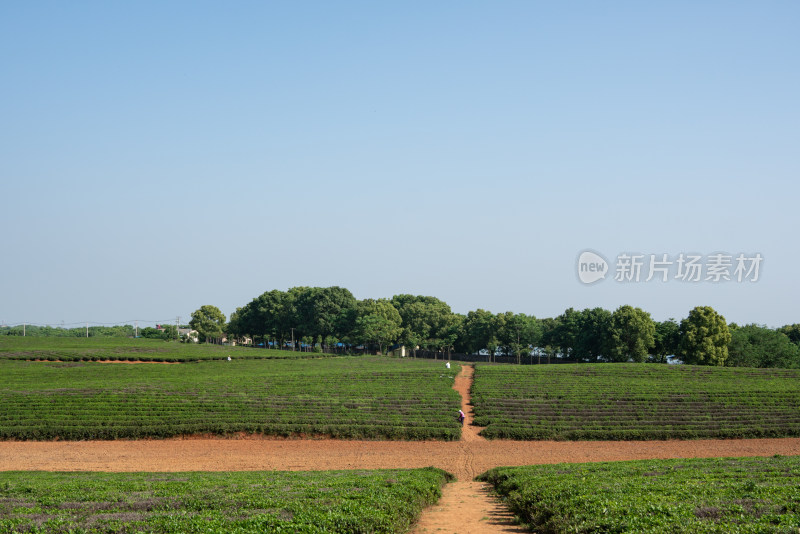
{"points": [[461, 416]]}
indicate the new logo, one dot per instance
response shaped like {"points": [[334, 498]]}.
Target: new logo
{"points": [[591, 267]]}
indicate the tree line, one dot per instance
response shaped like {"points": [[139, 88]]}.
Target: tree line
{"points": [[323, 318], [166, 331], [55, 331]]}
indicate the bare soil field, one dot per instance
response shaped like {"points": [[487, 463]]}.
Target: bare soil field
{"points": [[463, 459]]}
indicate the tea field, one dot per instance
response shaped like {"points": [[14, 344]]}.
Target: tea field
{"points": [[344, 397], [725, 495], [125, 349], [227, 502], [635, 402]]}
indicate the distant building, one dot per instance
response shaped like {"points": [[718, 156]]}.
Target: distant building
{"points": [[190, 334], [237, 341]]}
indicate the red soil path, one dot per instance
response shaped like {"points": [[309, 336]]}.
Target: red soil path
{"points": [[463, 459]]}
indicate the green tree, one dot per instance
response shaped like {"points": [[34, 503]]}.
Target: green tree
{"points": [[378, 323], [480, 332], [497, 344], [667, 339], [491, 347], [209, 322], [704, 337], [547, 347], [325, 311], [632, 334], [236, 326], [593, 339], [151, 333], [517, 333], [170, 331], [449, 330], [427, 322], [792, 331], [446, 332], [565, 334], [330, 343], [758, 346], [273, 315]]}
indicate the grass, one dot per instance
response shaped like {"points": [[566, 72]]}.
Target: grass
{"points": [[347, 397], [126, 349], [635, 402], [726, 495], [228, 502]]}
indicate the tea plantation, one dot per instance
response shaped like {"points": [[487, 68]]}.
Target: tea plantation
{"points": [[330, 501], [124, 349], [635, 402], [725, 495], [347, 397]]}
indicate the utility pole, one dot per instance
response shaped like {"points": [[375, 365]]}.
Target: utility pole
{"points": [[23, 329], [177, 326], [292, 339], [87, 329], [136, 330]]}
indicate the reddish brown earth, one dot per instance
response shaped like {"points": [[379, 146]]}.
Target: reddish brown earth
{"points": [[461, 503], [106, 361], [136, 361], [463, 459]]}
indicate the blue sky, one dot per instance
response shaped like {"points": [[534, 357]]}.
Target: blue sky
{"points": [[158, 156]]}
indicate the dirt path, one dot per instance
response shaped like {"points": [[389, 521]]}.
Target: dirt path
{"points": [[463, 384], [465, 459], [467, 507], [302, 455]]}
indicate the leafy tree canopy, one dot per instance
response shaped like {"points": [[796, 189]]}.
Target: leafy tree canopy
{"points": [[792, 331], [632, 334], [758, 346], [667, 339], [209, 322], [378, 323], [704, 337]]}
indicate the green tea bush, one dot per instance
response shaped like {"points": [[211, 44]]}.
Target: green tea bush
{"points": [[723, 495], [635, 402], [381, 501], [348, 398]]}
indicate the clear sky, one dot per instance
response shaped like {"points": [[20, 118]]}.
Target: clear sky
{"points": [[157, 156]]}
